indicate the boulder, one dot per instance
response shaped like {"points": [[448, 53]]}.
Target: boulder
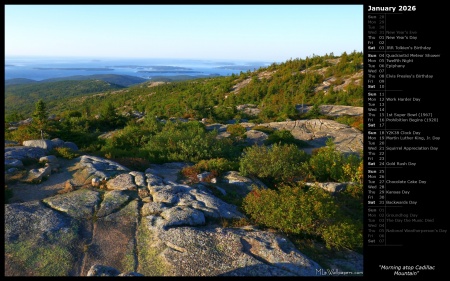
{"points": [[36, 175], [255, 137], [245, 183], [88, 167], [24, 152], [95, 182], [44, 144], [122, 182], [48, 159], [57, 142], [139, 178], [70, 145]]}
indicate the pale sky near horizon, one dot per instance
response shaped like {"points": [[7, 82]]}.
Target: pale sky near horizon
{"points": [[272, 33]]}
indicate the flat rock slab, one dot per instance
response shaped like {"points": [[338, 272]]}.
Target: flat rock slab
{"points": [[112, 202], [81, 203], [227, 252], [40, 241], [334, 110], [113, 240]]}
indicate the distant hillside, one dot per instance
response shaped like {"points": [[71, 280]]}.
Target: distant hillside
{"points": [[268, 94], [22, 98], [175, 78], [271, 93], [121, 80], [19, 81]]}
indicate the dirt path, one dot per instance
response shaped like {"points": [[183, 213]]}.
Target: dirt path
{"points": [[24, 192]]}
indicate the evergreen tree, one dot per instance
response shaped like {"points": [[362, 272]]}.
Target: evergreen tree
{"points": [[40, 117], [109, 112]]}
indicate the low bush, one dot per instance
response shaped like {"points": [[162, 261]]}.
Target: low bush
{"points": [[191, 172], [353, 121], [64, 152], [133, 163], [219, 165], [328, 164], [301, 210], [284, 137], [278, 163], [236, 130]]}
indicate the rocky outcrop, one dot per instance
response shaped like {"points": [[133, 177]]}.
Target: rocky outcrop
{"points": [[317, 131], [110, 221], [249, 109], [89, 167], [333, 110], [36, 151], [176, 230], [313, 131]]}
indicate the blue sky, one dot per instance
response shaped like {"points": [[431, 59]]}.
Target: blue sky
{"points": [[273, 33]]}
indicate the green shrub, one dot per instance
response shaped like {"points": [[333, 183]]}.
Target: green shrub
{"points": [[64, 152], [328, 164], [236, 130], [304, 211], [344, 234], [314, 111], [284, 137], [188, 142], [219, 165], [23, 133], [130, 137], [278, 163], [133, 163], [353, 121]]}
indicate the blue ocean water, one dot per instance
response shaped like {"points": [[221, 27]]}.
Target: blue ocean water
{"points": [[40, 68]]}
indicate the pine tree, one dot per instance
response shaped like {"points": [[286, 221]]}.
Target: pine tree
{"points": [[40, 117]]}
